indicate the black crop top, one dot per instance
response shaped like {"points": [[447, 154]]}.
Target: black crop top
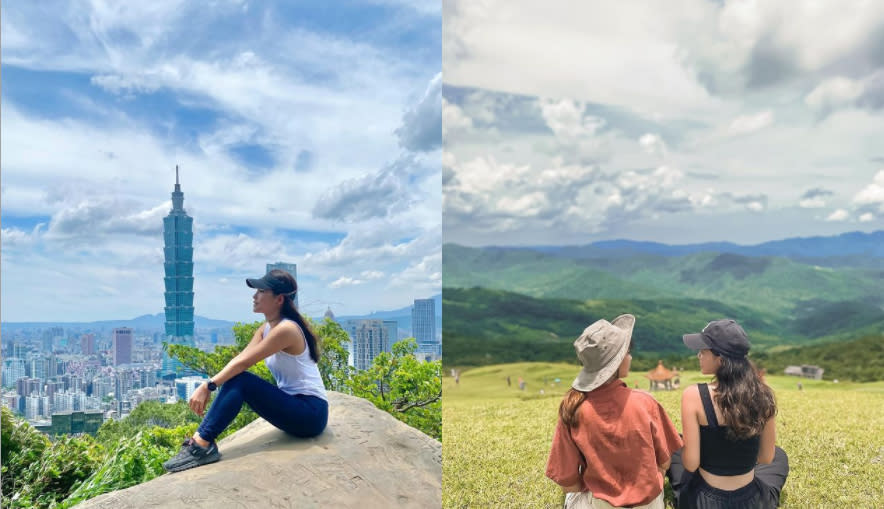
{"points": [[720, 455]]}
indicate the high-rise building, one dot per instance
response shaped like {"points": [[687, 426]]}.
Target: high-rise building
{"points": [[51, 337], [185, 386], [291, 268], [122, 346], [423, 326], [178, 253], [13, 369], [369, 338], [392, 327], [87, 344]]}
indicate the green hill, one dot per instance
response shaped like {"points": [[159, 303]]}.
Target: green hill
{"points": [[767, 284], [860, 360], [485, 326]]}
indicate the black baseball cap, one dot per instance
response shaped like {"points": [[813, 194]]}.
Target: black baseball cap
{"points": [[277, 284], [724, 337]]}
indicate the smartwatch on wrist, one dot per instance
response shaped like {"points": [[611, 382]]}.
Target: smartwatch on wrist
{"points": [[212, 385]]}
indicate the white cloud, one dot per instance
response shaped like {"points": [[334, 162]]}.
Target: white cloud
{"points": [[454, 118], [421, 129], [812, 203], [834, 93], [838, 215], [567, 120], [372, 274], [345, 281], [867, 217], [872, 194], [653, 144], [746, 124]]}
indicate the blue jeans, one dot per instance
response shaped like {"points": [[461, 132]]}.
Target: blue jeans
{"points": [[300, 415]]}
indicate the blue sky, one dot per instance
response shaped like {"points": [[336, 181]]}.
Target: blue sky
{"points": [[677, 122], [304, 133]]}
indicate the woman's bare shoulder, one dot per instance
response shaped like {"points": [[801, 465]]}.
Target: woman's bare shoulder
{"points": [[691, 393]]}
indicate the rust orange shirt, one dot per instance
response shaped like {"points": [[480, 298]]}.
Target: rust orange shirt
{"points": [[623, 434]]}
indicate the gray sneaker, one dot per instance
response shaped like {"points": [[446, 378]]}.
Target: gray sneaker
{"points": [[192, 455]]}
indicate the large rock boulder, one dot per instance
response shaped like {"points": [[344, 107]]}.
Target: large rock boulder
{"points": [[365, 458]]}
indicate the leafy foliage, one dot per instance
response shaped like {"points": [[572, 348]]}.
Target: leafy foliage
{"points": [[37, 474], [133, 460], [408, 389], [148, 414], [22, 446]]}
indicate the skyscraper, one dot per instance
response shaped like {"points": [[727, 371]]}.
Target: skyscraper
{"points": [[392, 327], [369, 338], [291, 268], [87, 344], [122, 346], [423, 326], [178, 251]]}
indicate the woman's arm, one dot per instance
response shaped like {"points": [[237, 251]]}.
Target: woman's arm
{"points": [[282, 336], [690, 428], [259, 333], [768, 441]]}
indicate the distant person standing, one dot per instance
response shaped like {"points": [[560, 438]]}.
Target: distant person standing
{"points": [[508, 381], [611, 444], [457, 377], [297, 404], [521, 384], [729, 458]]}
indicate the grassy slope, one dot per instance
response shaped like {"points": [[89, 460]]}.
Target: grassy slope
{"points": [[497, 438]]}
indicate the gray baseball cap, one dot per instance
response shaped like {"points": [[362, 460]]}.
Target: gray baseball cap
{"points": [[724, 337]]}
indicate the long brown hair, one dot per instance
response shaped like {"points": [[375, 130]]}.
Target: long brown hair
{"points": [[572, 401], [289, 311], [745, 401]]}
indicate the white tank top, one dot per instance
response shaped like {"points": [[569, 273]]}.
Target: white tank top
{"points": [[295, 374]]}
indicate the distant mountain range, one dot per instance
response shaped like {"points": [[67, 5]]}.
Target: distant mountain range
{"points": [[790, 292], [844, 247], [157, 321]]}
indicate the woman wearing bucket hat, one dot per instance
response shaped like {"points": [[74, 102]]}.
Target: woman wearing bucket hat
{"points": [[729, 459], [611, 444], [297, 404]]}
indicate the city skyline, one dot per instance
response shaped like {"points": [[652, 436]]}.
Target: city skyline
{"points": [[322, 149], [707, 122]]}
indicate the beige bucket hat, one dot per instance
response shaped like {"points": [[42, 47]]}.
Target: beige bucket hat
{"points": [[601, 348]]}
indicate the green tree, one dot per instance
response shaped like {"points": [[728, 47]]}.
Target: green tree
{"points": [[407, 388], [333, 363]]}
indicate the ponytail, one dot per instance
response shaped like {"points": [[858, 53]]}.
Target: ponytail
{"points": [[568, 408], [289, 311]]}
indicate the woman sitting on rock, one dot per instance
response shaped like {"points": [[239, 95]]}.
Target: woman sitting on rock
{"points": [[297, 404], [729, 458], [612, 443]]}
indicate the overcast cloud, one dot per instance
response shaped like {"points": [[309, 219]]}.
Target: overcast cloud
{"points": [[687, 122]]}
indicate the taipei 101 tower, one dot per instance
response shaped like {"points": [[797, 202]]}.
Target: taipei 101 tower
{"points": [[178, 251]]}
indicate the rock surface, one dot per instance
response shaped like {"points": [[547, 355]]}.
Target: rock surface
{"points": [[364, 459]]}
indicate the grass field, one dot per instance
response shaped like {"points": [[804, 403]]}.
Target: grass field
{"points": [[497, 438]]}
